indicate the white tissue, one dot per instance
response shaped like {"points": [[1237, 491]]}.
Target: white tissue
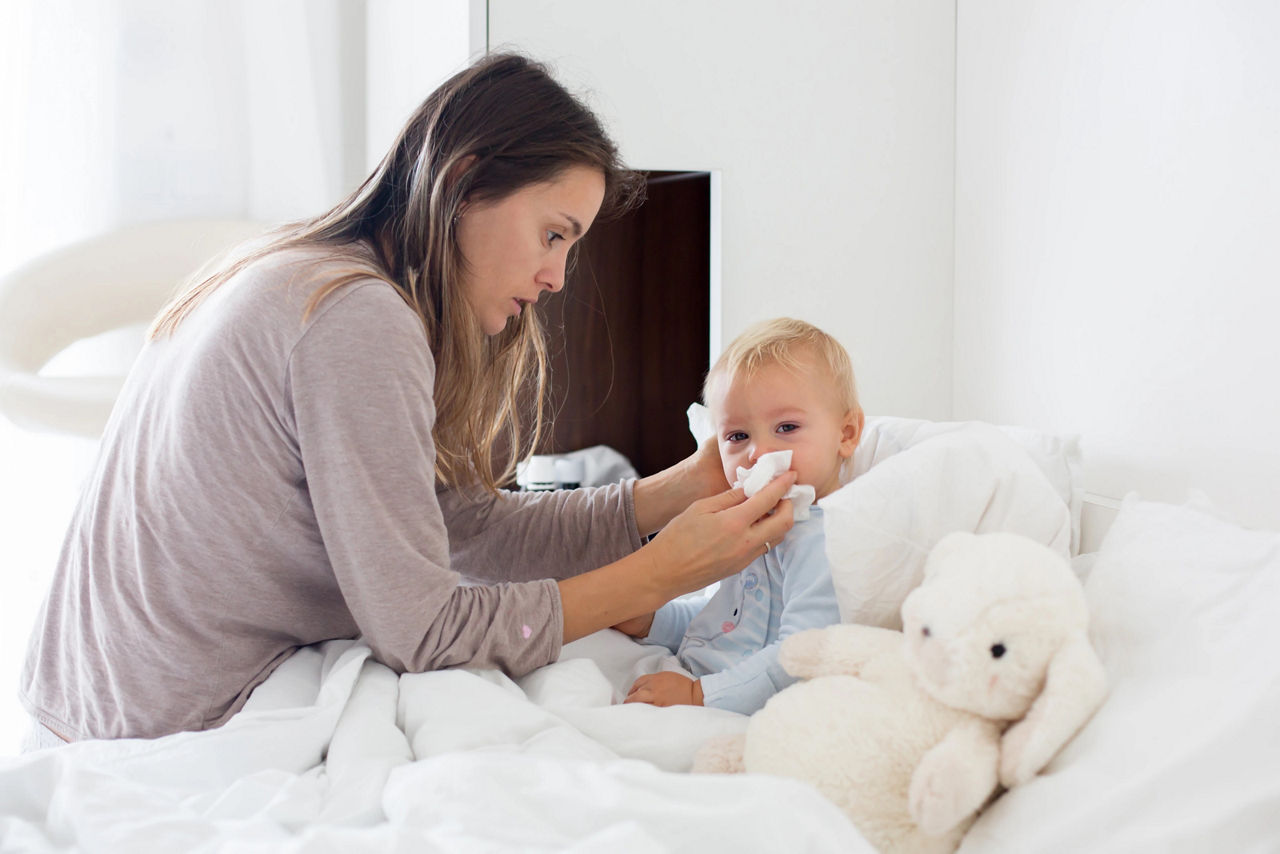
{"points": [[700, 424], [766, 468], [769, 466]]}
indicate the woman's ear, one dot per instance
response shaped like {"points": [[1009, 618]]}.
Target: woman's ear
{"points": [[456, 174], [851, 431]]}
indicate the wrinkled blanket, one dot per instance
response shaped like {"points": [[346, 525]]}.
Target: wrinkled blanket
{"points": [[336, 752]]}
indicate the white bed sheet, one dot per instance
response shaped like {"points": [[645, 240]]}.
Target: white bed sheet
{"points": [[335, 752]]}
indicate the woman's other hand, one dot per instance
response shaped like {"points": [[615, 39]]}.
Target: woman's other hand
{"points": [[661, 497], [705, 469]]}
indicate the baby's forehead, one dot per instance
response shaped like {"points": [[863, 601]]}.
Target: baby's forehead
{"points": [[796, 377], [801, 362]]}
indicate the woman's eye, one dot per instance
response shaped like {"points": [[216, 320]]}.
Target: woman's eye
{"points": [[553, 236]]}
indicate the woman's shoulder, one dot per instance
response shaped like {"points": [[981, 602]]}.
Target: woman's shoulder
{"points": [[310, 266], [317, 280]]}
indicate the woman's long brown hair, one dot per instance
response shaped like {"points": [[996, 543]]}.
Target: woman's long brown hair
{"points": [[498, 126]]}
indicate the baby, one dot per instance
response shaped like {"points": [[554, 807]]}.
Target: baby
{"points": [[783, 385]]}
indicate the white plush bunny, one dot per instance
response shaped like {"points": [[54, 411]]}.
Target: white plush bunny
{"points": [[911, 733]]}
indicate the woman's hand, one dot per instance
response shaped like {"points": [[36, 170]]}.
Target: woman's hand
{"points": [[718, 536], [714, 538], [665, 689]]}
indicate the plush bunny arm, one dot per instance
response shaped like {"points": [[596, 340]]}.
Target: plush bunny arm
{"points": [[955, 778], [843, 649], [1074, 687]]}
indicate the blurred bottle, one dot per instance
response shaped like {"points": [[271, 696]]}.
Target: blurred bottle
{"points": [[569, 472], [540, 475]]}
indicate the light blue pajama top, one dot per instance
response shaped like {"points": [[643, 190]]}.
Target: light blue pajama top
{"points": [[731, 642]]}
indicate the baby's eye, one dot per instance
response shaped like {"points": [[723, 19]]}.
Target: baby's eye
{"points": [[788, 428], [739, 436]]}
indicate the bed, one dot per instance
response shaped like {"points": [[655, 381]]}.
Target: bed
{"points": [[335, 752]]}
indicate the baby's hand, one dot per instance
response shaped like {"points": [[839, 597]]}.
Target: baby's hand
{"points": [[637, 627], [666, 689]]}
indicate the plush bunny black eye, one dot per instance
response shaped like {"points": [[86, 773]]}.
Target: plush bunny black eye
{"points": [[925, 631], [997, 650]]}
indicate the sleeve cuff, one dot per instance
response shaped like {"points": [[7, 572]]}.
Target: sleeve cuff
{"points": [[723, 691], [629, 507]]}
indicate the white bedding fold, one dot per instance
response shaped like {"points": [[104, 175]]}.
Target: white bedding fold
{"points": [[337, 752]]}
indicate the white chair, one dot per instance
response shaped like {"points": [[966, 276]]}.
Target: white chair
{"points": [[115, 281]]}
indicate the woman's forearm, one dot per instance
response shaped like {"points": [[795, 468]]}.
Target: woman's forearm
{"points": [[606, 596]]}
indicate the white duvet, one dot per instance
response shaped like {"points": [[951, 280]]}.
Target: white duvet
{"points": [[337, 753]]}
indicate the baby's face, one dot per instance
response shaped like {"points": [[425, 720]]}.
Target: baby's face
{"points": [[778, 409]]}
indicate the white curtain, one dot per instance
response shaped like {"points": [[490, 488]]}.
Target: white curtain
{"points": [[121, 111]]}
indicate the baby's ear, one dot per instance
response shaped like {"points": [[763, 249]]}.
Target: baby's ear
{"points": [[851, 431]]}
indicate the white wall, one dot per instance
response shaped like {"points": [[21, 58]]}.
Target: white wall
{"points": [[412, 47], [132, 110], [831, 125], [1118, 237]]}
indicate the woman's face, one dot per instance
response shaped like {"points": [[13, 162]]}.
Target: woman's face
{"points": [[517, 247]]}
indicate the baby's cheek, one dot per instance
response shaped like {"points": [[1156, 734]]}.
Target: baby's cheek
{"points": [[801, 466]]}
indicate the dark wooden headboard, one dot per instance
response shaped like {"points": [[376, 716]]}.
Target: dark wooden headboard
{"points": [[629, 334]]}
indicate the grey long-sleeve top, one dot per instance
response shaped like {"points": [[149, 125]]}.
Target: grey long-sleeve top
{"points": [[267, 482]]}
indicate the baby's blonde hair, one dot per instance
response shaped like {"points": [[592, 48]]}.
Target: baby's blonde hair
{"points": [[786, 341]]}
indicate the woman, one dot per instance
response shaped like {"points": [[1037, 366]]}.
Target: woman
{"points": [[310, 445]]}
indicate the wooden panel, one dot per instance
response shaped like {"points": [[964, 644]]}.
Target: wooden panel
{"points": [[629, 333]]}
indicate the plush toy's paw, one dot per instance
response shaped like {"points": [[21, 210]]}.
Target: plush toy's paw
{"points": [[802, 654], [1018, 764], [721, 755], [954, 778], [934, 802]]}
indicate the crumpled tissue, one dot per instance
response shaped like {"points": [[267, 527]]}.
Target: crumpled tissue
{"points": [[766, 468], [769, 466]]}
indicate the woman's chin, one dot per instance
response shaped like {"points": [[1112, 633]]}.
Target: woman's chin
{"points": [[494, 327]]}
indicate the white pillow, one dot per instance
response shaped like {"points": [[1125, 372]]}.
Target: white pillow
{"points": [[884, 435], [913, 483], [1183, 755], [1058, 457]]}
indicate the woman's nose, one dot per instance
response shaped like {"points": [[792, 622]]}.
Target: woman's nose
{"points": [[552, 276]]}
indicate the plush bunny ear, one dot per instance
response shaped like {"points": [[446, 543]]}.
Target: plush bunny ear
{"points": [[1074, 687]]}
